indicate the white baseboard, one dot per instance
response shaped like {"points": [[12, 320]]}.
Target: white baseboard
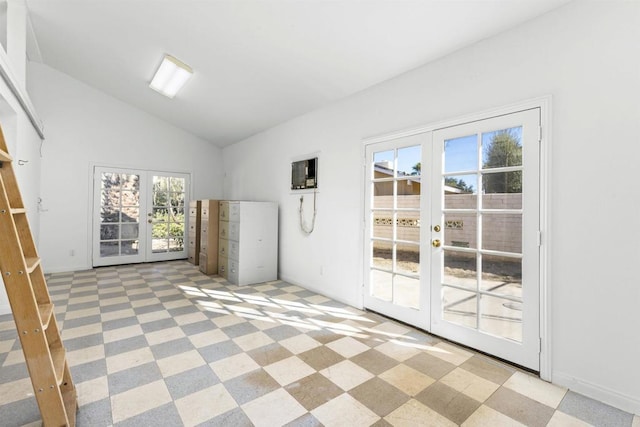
{"points": [[603, 394], [49, 270]]}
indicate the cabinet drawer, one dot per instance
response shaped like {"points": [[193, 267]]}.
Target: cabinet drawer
{"points": [[204, 212], [223, 208], [223, 266], [234, 231], [192, 226], [224, 230], [192, 257], [234, 211], [191, 243], [223, 247], [232, 275], [233, 251]]}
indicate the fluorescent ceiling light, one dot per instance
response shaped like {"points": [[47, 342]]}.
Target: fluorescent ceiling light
{"points": [[172, 74]]}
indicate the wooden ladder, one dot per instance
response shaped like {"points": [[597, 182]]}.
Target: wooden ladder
{"points": [[31, 305]]}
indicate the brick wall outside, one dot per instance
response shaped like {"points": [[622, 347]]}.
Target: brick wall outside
{"points": [[501, 232]]}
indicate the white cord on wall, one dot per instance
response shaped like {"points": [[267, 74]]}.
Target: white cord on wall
{"points": [[303, 226]]}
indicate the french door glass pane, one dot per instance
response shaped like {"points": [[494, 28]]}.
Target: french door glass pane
{"points": [[460, 269], [460, 230], [502, 275], [460, 307], [409, 161], [408, 258], [119, 204], [382, 257], [168, 198], [382, 285], [461, 154], [502, 232], [493, 305], [396, 188], [501, 317], [406, 291], [383, 162], [502, 148], [382, 224]]}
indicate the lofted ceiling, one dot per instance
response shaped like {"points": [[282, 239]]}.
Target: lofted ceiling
{"points": [[257, 63]]}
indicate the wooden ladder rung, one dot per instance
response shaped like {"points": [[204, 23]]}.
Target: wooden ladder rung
{"points": [[46, 310], [16, 211], [32, 264], [5, 157], [58, 357]]}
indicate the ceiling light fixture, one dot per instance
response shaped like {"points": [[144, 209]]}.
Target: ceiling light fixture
{"points": [[172, 74]]}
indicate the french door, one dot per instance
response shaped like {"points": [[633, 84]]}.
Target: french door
{"points": [[471, 193], [139, 216]]}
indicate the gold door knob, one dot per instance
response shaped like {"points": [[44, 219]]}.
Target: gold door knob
{"points": [[436, 243], [150, 221], [436, 228]]}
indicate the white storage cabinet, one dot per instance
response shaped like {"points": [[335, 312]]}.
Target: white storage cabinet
{"points": [[248, 244]]}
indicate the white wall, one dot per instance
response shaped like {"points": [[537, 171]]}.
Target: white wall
{"points": [[585, 56], [84, 127]]}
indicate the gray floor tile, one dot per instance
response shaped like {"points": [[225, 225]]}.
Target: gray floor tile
{"points": [[89, 371], [307, 420], [235, 418], [593, 411], [157, 325], [283, 332], [165, 416], [198, 327], [127, 344], [189, 309], [95, 414], [191, 381], [81, 321], [115, 307], [248, 387], [84, 342], [119, 323], [239, 330], [170, 348], [19, 413], [214, 352], [122, 381], [13, 372], [148, 309]]}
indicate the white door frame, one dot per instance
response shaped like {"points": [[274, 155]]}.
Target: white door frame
{"points": [[145, 254], [544, 104]]}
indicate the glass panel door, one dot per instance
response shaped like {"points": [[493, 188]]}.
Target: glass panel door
{"points": [[485, 280], [166, 216], [395, 214], [122, 198], [117, 204], [452, 226]]}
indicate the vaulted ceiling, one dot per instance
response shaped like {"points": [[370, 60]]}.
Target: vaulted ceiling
{"points": [[257, 63]]}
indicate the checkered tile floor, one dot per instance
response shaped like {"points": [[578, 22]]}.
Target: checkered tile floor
{"points": [[163, 344]]}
